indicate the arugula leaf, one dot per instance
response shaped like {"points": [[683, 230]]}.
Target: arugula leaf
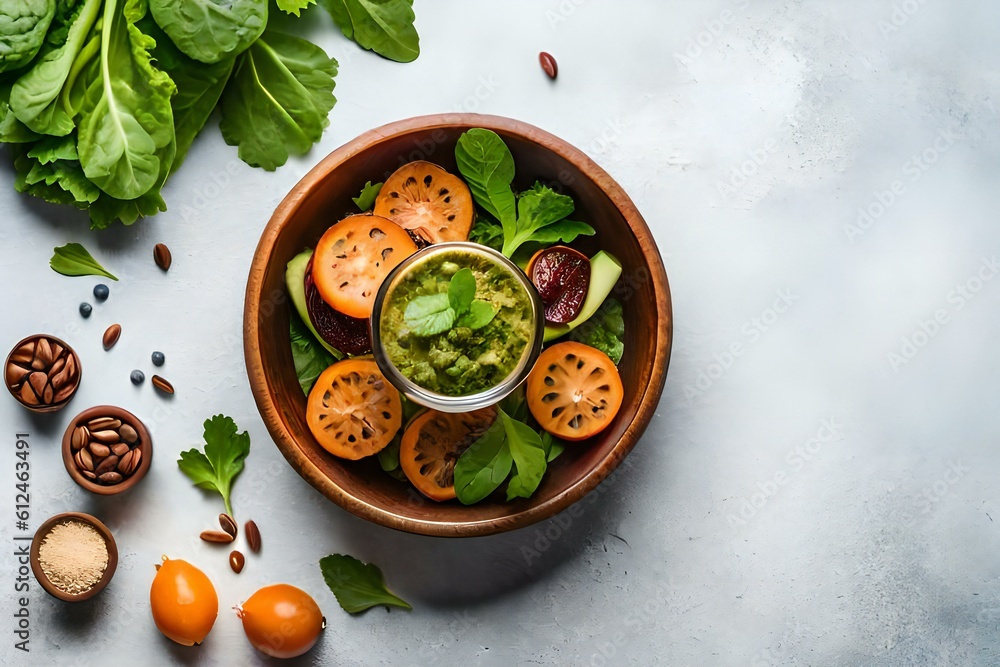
{"points": [[605, 330], [278, 99], [462, 290], [487, 166], [126, 129], [366, 200], [358, 586], [217, 468], [429, 315], [22, 31], [382, 26], [294, 6], [480, 314], [73, 259], [488, 233], [310, 358], [529, 456], [484, 465], [210, 30]]}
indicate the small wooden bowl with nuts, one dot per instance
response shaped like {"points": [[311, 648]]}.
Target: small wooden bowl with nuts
{"points": [[107, 450], [42, 373]]}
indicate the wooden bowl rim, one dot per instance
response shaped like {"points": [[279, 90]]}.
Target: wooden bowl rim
{"points": [[36, 565], [52, 407], [265, 396], [145, 445]]}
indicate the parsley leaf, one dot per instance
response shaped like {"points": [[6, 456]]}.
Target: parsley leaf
{"points": [[222, 461], [73, 259], [358, 586], [366, 200]]}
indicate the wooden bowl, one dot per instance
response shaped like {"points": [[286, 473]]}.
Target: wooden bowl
{"points": [[145, 446], [16, 374], [323, 197], [36, 565]]}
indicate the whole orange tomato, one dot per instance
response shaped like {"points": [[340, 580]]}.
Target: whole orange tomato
{"points": [[183, 601], [281, 621]]}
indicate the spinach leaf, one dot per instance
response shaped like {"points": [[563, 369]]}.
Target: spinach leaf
{"points": [[529, 456], [605, 330], [278, 99], [487, 166], [23, 25], [222, 461], [488, 233], [429, 315], [483, 467], [552, 445], [294, 6], [210, 30], [73, 259], [366, 200], [480, 314], [310, 358], [50, 149], [388, 456], [382, 26], [357, 586], [126, 132], [34, 97], [57, 182], [462, 290]]}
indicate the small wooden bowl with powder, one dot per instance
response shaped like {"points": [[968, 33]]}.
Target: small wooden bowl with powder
{"points": [[73, 556]]}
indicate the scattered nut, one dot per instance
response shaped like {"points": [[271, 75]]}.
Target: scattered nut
{"points": [[236, 561], [228, 524], [111, 336], [548, 64], [161, 255], [216, 536], [253, 536], [161, 384]]}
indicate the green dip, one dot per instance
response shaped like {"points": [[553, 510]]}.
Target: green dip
{"points": [[460, 361]]}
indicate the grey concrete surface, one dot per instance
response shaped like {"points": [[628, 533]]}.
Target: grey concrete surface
{"points": [[819, 485]]}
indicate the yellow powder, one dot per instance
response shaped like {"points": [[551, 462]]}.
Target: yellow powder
{"points": [[73, 555]]}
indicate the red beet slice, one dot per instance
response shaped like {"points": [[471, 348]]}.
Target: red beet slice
{"points": [[350, 335], [562, 276]]}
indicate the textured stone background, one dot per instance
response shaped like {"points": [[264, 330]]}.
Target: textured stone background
{"points": [[812, 501]]}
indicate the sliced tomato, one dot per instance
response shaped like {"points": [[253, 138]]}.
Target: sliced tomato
{"points": [[352, 259], [574, 390], [423, 198], [353, 411], [432, 443]]}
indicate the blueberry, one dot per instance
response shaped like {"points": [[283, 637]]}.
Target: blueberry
{"points": [[86, 309], [137, 377], [158, 358], [101, 292]]}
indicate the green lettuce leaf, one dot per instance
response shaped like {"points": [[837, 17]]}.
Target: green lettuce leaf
{"points": [[366, 200], [23, 24], [605, 330], [211, 30], [382, 26], [294, 6]]}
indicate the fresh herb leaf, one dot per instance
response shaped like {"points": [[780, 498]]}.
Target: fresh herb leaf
{"points": [[429, 315], [488, 233], [462, 290], [310, 358], [483, 467], [488, 168], [553, 446], [358, 586], [278, 99], [537, 208], [73, 259], [480, 314], [366, 200], [564, 231], [294, 6], [605, 330], [382, 26], [222, 461], [210, 30], [529, 456]]}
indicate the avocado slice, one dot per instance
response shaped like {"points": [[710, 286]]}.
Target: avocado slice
{"points": [[295, 281], [605, 270]]}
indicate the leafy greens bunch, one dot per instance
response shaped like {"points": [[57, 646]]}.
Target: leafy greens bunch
{"points": [[100, 100]]}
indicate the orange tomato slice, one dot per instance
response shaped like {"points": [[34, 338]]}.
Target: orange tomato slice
{"points": [[432, 444], [574, 390], [352, 259], [427, 200], [353, 411]]}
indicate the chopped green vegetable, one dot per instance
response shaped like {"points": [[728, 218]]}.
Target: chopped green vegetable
{"points": [[211, 30], [605, 330], [309, 357], [73, 259], [358, 586], [222, 461], [278, 99], [382, 26], [366, 200], [538, 215], [23, 24]]}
